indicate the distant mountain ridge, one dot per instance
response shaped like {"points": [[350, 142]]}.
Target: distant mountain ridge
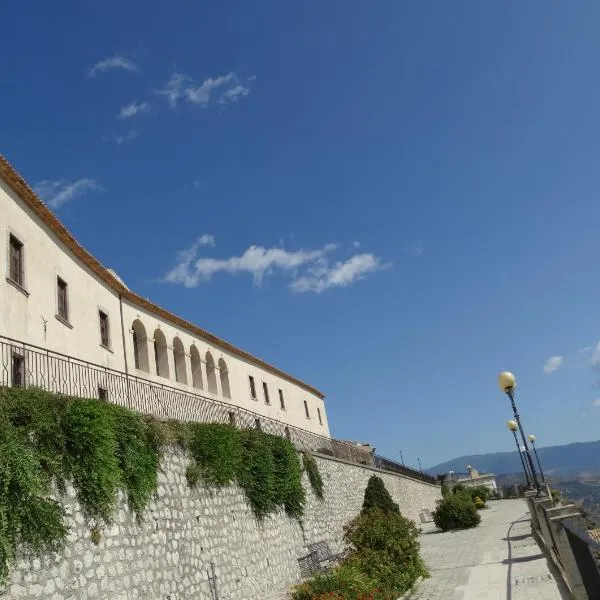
{"points": [[580, 457]]}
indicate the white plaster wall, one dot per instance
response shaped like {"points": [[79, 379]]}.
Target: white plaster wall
{"points": [[22, 318]]}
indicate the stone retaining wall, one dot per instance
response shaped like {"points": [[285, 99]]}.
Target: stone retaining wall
{"points": [[188, 533]]}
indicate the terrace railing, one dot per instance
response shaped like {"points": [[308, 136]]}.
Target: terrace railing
{"points": [[26, 365]]}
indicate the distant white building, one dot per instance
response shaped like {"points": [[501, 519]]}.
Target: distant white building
{"points": [[475, 479], [69, 324]]}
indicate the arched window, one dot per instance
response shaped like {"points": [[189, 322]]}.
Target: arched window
{"points": [[140, 346], [211, 376], [224, 374], [196, 365], [179, 361], [161, 359]]}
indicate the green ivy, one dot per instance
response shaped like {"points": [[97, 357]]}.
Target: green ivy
{"points": [[265, 466], [314, 476], [46, 440]]}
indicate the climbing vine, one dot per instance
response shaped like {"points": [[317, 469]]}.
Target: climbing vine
{"points": [[314, 476], [49, 441], [265, 466]]}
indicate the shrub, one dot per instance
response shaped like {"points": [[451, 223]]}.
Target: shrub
{"points": [[343, 583], [479, 503], [480, 491], [377, 496], [314, 476], [445, 490], [384, 561], [456, 512]]}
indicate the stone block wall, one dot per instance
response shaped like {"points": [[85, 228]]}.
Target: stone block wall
{"points": [[204, 544]]}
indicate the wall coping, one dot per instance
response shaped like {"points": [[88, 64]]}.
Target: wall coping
{"points": [[371, 468]]}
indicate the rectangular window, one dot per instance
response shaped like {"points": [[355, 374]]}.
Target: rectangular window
{"points": [[103, 394], [104, 337], [18, 370], [266, 393], [319, 415], [281, 400], [252, 387], [306, 409], [257, 424], [63, 305], [16, 261]]}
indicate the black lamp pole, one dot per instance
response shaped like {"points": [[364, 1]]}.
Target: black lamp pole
{"points": [[537, 458], [510, 392], [514, 432]]}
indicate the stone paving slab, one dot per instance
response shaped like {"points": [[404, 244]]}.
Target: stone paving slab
{"points": [[499, 560]]}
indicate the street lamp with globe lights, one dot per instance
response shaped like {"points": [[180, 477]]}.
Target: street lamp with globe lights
{"points": [[508, 383], [512, 426], [531, 438]]}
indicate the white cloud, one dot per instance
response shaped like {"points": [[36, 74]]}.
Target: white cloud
{"points": [[552, 364], [114, 62], [418, 249], [310, 270], [596, 402], [356, 244], [595, 358], [228, 87], [127, 137], [341, 274], [58, 193], [585, 349], [132, 109]]}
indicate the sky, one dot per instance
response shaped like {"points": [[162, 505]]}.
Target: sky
{"points": [[392, 201]]}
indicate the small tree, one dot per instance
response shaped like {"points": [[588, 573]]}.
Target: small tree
{"points": [[456, 512], [377, 496]]}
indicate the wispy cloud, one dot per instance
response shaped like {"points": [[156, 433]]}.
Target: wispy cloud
{"points": [[585, 349], [341, 274], [552, 364], [113, 62], [132, 109], [224, 89], [310, 270], [596, 402], [127, 137], [58, 193]]}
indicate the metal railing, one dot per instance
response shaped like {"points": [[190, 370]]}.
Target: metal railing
{"points": [[586, 552], [26, 365]]}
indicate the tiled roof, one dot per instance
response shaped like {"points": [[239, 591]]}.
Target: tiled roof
{"points": [[24, 191]]}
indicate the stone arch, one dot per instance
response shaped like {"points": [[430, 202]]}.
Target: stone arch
{"points": [[224, 375], [141, 360], [179, 361], [211, 375], [196, 365], [161, 358]]}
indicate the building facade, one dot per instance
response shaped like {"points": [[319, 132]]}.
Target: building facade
{"points": [[62, 314]]}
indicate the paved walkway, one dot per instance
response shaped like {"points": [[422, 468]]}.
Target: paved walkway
{"points": [[499, 560]]}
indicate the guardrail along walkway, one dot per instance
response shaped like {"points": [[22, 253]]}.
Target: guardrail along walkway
{"points": [[499, 560]]}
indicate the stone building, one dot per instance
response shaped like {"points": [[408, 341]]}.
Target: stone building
{"points": [[71, 325]]}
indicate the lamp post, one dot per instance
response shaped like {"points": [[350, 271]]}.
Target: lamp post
{"points": [[512, 426], [531, 438], [508, 383]]}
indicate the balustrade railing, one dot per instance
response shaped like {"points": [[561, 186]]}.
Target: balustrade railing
{"points": [[26, 365]]}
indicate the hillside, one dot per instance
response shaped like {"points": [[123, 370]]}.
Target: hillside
{"points": [[582, 458]]}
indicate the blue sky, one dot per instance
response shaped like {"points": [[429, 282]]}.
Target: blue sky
{"points": [[393, 201]]}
